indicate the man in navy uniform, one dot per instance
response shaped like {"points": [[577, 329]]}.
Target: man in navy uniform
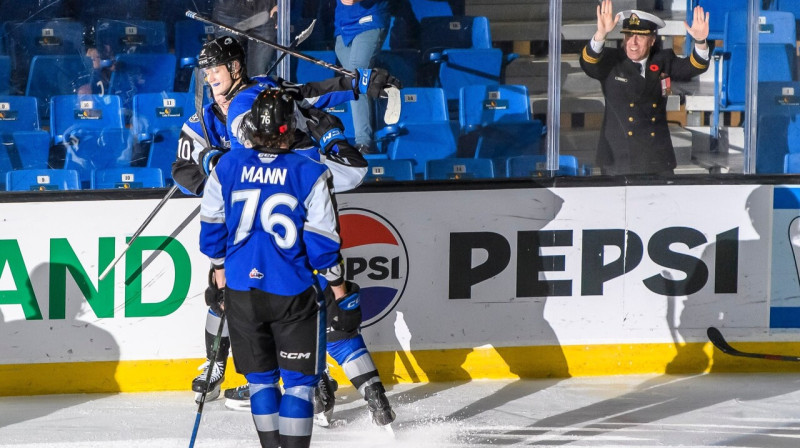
{"points": [[635, 78]]}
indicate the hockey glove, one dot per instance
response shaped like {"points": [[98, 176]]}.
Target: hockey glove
{"points": [[209, 158], [348, 311], [326, 129], [372, 81], [291, 89], [214, 295]]}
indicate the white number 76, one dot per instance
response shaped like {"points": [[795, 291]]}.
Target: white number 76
{"points": [[269, 220]]}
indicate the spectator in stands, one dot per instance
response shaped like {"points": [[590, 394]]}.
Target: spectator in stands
{"points": [[360, 28], [634, 138], [257, 17]]}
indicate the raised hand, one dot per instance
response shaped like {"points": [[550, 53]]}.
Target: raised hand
{"points": [[606, 20], [699, 28]]}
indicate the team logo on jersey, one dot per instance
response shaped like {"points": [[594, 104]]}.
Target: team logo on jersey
{"points": [[376, 258], [255, 274]]}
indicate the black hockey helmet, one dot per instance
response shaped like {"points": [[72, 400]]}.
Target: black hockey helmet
{"points": [[270, 117], [222, 50]]}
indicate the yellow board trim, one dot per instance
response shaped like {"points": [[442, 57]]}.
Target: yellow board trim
{"points": [[413, 367]]}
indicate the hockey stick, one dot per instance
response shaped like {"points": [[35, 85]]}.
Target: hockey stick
{"points": [[299, 39], [393, 104], [139, 231], [719, 341], [313, 60], [212, 362]]}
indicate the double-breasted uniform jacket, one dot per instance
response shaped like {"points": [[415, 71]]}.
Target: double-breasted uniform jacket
{"points": [[635, 136]]}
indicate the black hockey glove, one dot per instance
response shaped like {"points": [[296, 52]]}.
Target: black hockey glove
{"points": [[292, 89], [209, 158], [214, 295], [326, 129], [348, 311], [372, 81]]}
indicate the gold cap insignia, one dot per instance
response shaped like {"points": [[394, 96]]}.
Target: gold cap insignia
{"points": [[634, 20]]}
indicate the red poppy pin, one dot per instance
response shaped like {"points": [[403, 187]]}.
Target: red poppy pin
{"points": [[653, 68]]}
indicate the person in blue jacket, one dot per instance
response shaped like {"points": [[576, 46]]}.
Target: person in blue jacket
{"points": [[360, 26]]}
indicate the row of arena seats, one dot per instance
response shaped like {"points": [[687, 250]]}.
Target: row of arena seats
{"points": [[455, 51], [44, 179], [460, 168]]}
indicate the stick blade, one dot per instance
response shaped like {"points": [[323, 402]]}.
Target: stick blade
{"points": [[393, 105]]}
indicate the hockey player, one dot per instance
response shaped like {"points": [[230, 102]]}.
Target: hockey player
{"points": [[223, 63], [345, 343], [268, 223]]}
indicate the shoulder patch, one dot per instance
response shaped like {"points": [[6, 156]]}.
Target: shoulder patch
{"points": [[194, 118]]}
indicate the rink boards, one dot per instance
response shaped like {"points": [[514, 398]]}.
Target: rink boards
{"points": [[457, 285]]}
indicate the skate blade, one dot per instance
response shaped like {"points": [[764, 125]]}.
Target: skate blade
{"points": [[322, 420], [388, 429], [238, 405], [211, 395]]}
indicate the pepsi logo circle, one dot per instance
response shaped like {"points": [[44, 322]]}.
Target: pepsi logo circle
{"points": [[376, 258]]}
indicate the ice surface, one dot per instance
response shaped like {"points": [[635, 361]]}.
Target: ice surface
{"points": [[720, 410]]}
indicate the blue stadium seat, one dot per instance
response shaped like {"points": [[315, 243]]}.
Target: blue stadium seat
{"points": [[52, 75], [459, 168], [189, 38], [792, 6], [776, 59], [382, 170], [162, 151], [18, 11], [157, 120], [304, 71], [206, 89], [42, 180], [142, 73], [156, 111], [455, 68], [791, 163], [430, 8], [423, 132], [454, 32], [402, 64], [419, 105], [717, 10], [778, 98], [132, 36], [91, 149], [536, 166], [72, 112], [128, 177], [33, 148], [777, 136], [5, 75], [50, 37], [90, 11], [497, 118], [18, 113]]}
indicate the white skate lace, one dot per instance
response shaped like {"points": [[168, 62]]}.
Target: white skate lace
{"points": [[216, 374]]}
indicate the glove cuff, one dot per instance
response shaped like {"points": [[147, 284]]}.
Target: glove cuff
{"points": [[210, 159], [364, 75], [350, 301], [333, 135]]}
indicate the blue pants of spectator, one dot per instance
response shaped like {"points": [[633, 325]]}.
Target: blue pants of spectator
{"points": [[361, 53]]}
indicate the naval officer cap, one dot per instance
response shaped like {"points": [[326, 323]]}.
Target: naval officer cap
{"points": [[640, 22]]}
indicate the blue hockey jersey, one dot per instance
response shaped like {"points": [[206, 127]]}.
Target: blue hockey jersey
{"points": [[270, 219]]}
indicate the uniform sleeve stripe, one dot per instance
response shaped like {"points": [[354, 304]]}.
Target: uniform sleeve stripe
{"points": [[588, 58], [697, 64]]}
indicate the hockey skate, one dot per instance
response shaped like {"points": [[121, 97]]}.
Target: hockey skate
{"points": [[238, 398], [324, 399], [378, 405], [217, 377]]}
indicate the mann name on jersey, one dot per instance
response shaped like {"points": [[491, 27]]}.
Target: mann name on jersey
{"points": [[264, 175]]}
